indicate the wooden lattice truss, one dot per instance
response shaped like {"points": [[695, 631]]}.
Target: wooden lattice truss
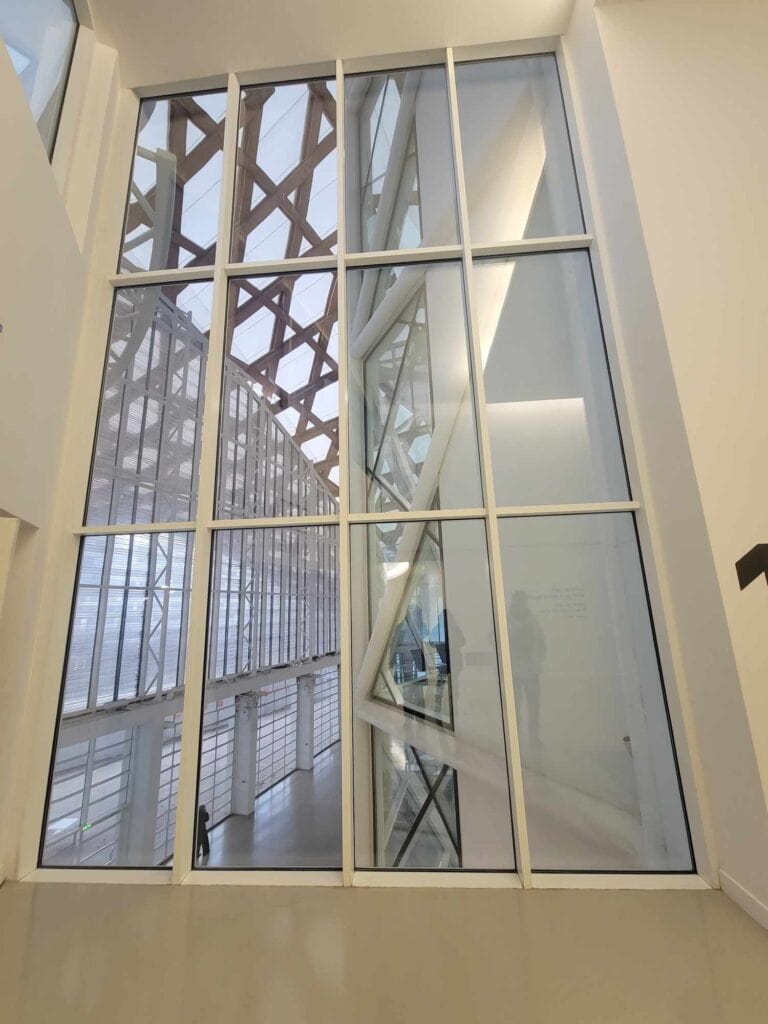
{"points": [[247, 298], [150, 209], [291, 196]]}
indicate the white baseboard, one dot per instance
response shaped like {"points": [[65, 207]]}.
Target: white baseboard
{"points": [[745, 899]]}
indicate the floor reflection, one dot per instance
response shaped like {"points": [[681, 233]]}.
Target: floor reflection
{"points": [[296, 823]]}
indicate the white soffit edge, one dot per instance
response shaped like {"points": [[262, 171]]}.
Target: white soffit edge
{"points": [[178, 40]]}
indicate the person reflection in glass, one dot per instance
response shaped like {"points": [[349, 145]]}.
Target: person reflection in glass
{"points": [[447, 645], [528, 650], [447, 642]]}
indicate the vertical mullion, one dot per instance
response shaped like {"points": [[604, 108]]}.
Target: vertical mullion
{"points": [[347, 820], [170, 554], [101, 617], [250, 657], [264, 537], [492, 525], [242, 582], [186, 816], [147, 619]]}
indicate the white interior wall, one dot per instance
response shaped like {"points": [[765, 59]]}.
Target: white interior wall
{"points": [[167, 42], [46, 226], [41, 286], [693, 356], [697, 143]]}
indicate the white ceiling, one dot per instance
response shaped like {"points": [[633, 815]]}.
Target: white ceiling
{"points": [[163, 41]]}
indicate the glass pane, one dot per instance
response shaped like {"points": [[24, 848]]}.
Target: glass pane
{"points": [[112, 798], [599, 772], [399, 161], [40, 39], [147, 448], [412, 424], [270, 771], [285, 190], [518, 164], [431, 789], [279, 439], [551, 416], [173, 203]]}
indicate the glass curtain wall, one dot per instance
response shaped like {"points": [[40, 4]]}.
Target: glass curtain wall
{"points": [[125, 666], [40, 39], [384, 481], [600, 782]]}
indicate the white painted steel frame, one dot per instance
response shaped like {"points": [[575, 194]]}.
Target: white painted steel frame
{"points": [[62, 558], [194, 686], [514, 763]]}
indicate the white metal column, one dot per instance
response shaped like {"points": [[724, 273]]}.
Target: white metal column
{"points": [[305, 722], [245, 755]]}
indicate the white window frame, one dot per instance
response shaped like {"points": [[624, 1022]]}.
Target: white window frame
{"points": [[49, 655]]}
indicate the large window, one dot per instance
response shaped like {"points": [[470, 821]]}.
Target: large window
{"points": [[360, 586], [39, 36]]}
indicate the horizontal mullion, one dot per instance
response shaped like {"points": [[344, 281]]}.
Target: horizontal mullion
{"points": [[396, 879], [557, 243], [395, 257], [567, 510], [299, 73], [352, 66], [300, 264], [125, 703], [416, 515], [410, 515], [268, 268], [498, 51], [140, 278], [618, 880], [147, 876], [276, 521], [111, 529], [177, 87], [262, 876], [378, 879]]}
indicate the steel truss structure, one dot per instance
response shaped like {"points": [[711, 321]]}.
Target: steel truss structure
{"points": [[126, 663]]}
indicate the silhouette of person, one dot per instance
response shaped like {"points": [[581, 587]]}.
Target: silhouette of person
{"points": [[203, 846], [448, 640], [528, 649]]}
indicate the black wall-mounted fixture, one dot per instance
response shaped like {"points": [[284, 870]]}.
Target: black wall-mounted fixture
{"points": [[750, 566]]}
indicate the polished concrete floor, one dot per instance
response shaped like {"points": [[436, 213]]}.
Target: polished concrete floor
{"points": [[295, 824], [126, 954]]}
